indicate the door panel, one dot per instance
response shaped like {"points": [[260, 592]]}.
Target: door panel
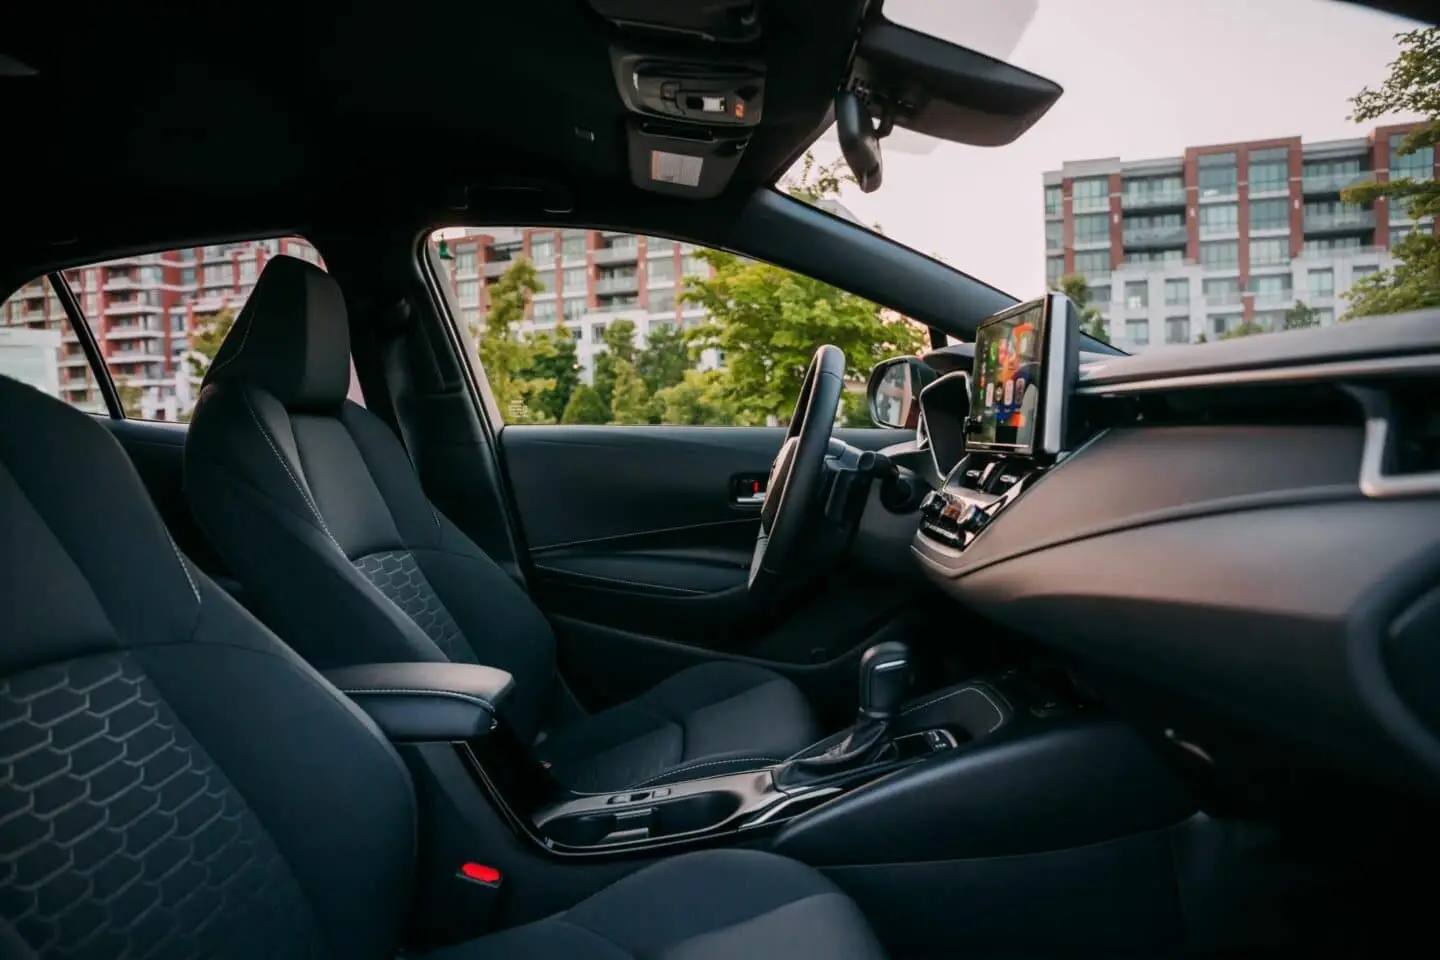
{"points": [[640, 554]]}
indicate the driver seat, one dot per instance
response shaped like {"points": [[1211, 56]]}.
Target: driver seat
{"points": [[314, 505]]}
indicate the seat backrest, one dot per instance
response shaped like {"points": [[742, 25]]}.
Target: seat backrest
{"points": [[317, 510], [174, 781]]}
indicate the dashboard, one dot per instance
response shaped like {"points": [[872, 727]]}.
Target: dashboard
{"points": [[1236, 546]]}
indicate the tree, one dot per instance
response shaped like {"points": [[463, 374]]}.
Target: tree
{"points": [[619, 341], [1245, 328], [665, 358], [131, 399], [629, 398], [505, 357], [205, 342], [585, 406], [768, 323], [1412, 86], [1300, 316], [702, 397], [818, 181], [553, 361], [1092, 321]]}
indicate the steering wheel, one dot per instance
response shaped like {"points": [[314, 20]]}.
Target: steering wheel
{"points": [[797, 477]]}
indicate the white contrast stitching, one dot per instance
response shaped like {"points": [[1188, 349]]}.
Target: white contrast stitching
{"points": [[701, 766], [255, 418], [999, 713], [453, 694], [183, 568]]}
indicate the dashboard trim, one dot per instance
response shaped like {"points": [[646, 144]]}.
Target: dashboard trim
{"points": [[1374, 481], [1303, 373]]}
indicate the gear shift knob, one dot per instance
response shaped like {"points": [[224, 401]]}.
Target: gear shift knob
{"points": [[884, 677]]}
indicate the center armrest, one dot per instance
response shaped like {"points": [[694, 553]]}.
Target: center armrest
{"points": [[426, 702]]}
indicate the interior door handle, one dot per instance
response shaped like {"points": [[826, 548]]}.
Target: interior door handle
{"points": [[748, 490]]}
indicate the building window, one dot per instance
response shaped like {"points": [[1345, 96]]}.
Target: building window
{"points": [[1321, 283], [1054, 234], [1398, 235], [1222, 292], [1269, 170], [1054, 269], [542, 248], [1419, 165], [1222, 324], [575, 279], [1154, 256], [660, 271], [187, 277], [1272, 289], [1090, 194], [1177, 329], [1153, 190], [1219, 219], [1220, 255], [1177, 292], [662, 301], [468, 292], [1331, 244], [573, 248], [597, 333], [546, 279], [1362, 271], [1137, 331], [1053, 201], [1137, 294], [1216, 175], [543, 311], [465, 261], [575, 308], [1100, 295], [1324, 316], [1269, 214], [1269, 252], [1094, 228], [1092, 263], [1270, 321]]}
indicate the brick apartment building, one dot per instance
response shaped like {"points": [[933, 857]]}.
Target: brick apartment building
{"points": [[588, 278], [143, 311], [1190, 246]]}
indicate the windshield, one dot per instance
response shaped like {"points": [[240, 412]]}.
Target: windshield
{"points": [[1202, 177]]}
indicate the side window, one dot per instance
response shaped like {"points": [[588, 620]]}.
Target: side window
{"points": [[648, 330], [157, 318]]}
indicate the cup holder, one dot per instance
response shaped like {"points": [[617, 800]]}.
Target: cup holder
{"points": [[665, 818]]}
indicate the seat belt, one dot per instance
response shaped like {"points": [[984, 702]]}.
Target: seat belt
{"points": [[394, 356]]}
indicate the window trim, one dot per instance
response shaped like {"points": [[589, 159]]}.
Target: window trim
{"points": [[88, 344]]}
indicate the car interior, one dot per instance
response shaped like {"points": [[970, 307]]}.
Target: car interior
{"points": [[348, 666]]}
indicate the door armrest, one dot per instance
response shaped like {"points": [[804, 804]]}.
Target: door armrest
{"points": [[426, 702]]}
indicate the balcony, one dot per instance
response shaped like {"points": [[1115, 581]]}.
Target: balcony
{"points": [[617, 254], [622, 284], [1153, 266], [1153, 200], [121, 282], [1172, 236], [130, 308], [1272, 299], [133, 331], [1348, 221], [1330, 183], [1223, 299], [497, 268]]}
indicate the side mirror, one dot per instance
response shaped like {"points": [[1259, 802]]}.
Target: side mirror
{"points": [[894, 391], [859, 141]]}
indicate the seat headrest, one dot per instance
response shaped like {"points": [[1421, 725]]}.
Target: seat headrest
{"points": [[292, 339]]}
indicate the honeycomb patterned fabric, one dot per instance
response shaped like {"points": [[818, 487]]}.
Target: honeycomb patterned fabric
{"points": [[396, 575], [120, 838]]}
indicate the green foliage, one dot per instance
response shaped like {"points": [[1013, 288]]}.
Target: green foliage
{"points": [[553, 361], [619, 340], [508, 360], [585, 406], [817, 181], [701, 397], [130, 399], [1246, 328], [855, 409], [768, 322], [1411, 86], [206, 341], [1074, 286], [664, 360], [1300, 316], [629, 397]]}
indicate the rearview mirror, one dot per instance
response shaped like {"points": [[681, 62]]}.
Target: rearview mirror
{"points": [[894, 392], [859, 141]]}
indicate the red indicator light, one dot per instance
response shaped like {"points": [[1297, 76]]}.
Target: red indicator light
{"points": [[480, 873]]}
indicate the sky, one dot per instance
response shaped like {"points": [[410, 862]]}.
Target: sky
{"points": [[1142, 79]]}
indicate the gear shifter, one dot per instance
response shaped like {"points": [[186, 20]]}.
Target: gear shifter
{"points": [[884, 676]]}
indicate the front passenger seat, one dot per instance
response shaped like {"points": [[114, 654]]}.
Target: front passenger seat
{"points": [[314, 505]]}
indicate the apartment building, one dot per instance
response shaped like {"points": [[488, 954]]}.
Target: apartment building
{"points": [[588, 280], [1185, 248], [144, 310]]}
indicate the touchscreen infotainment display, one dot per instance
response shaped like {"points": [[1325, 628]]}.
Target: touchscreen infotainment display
{"points": [[1007, 381]]}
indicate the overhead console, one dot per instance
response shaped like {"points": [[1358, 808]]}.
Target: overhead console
{"points": [[995, 431]]}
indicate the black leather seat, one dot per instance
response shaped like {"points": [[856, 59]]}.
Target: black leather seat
{"points": [[175, 781], [315, 506]]}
